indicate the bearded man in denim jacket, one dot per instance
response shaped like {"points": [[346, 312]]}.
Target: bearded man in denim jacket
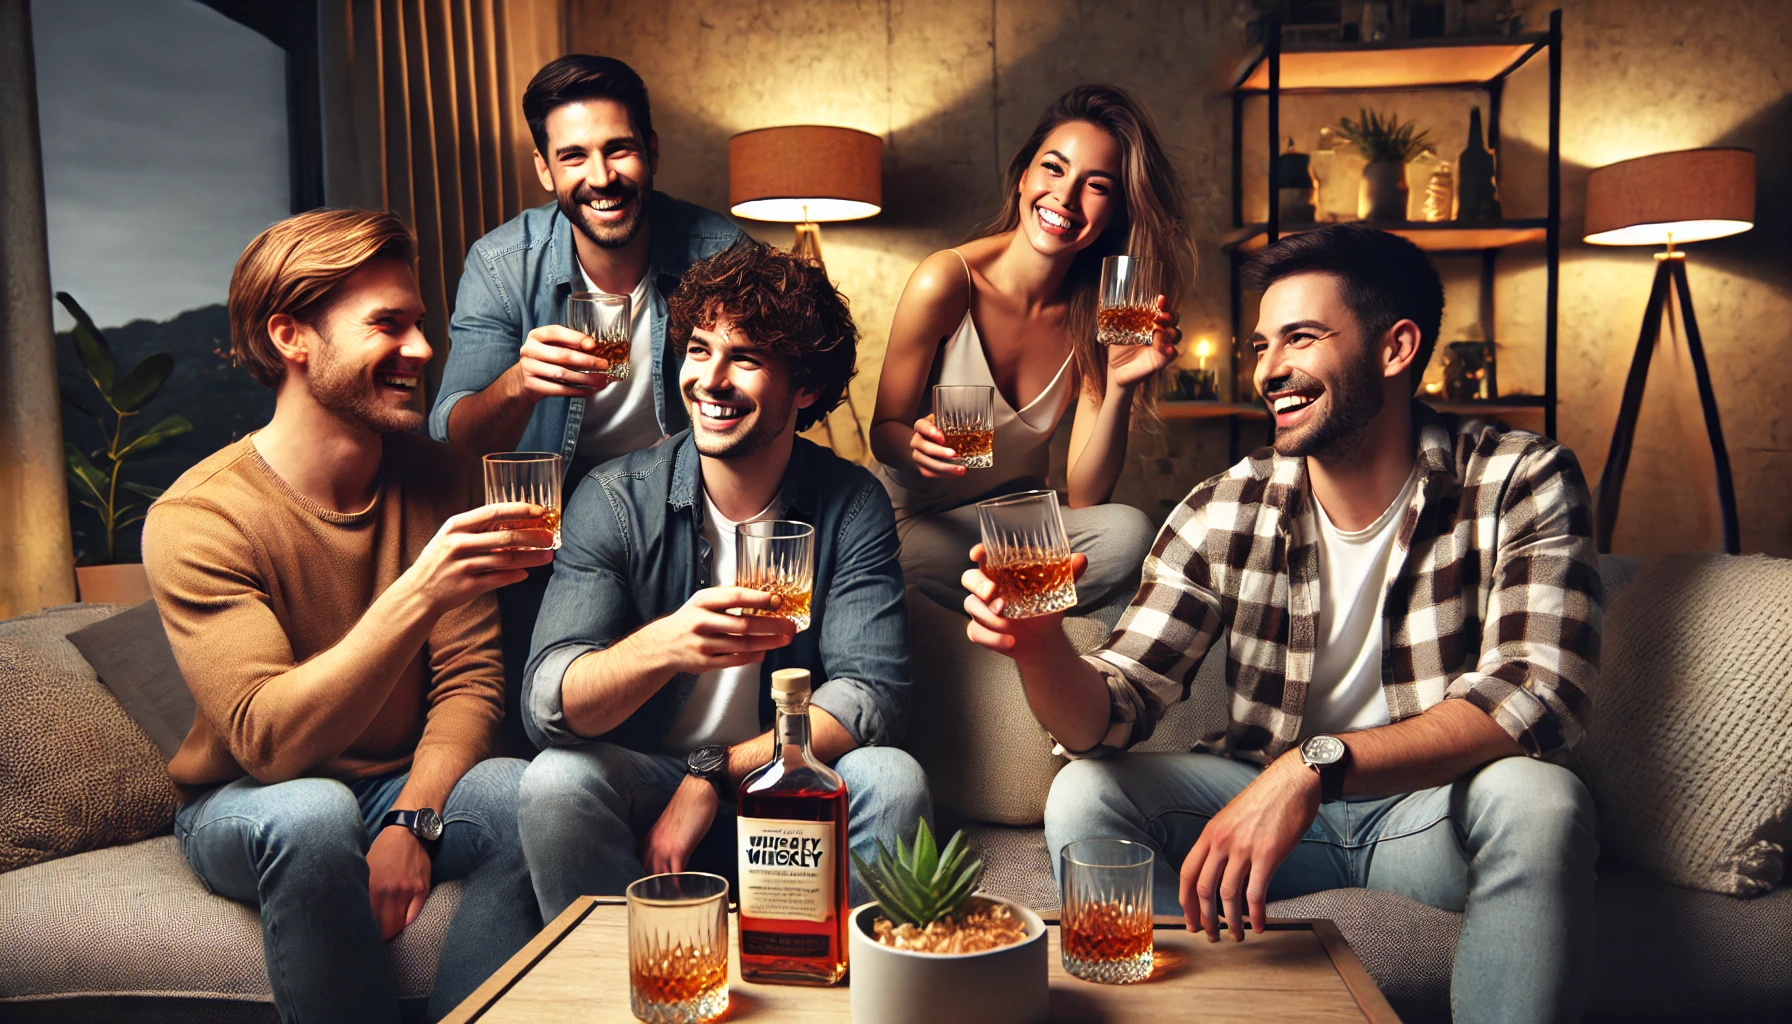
{"points": [[516, 377]]}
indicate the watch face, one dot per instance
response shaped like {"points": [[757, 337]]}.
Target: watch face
{"points": [[1323, 750], [706, 761], [429, 825]]}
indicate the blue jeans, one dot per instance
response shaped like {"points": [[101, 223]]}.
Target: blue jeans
{"points": [[297, 851], [1510, 846], [585, 810]]}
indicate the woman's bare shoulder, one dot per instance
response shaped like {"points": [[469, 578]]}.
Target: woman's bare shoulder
{"points": [[939, 284]]}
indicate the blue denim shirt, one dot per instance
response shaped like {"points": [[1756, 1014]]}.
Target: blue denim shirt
{"points": [[517, 279], [633, 550]]}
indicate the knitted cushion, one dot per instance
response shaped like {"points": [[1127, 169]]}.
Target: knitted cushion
{"points": [[1690, 754], [75, 772]]}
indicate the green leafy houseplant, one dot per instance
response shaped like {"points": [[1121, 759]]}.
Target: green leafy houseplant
{"points": [[1389, 146], [97, 476], [1386, 139], [921, 885]]}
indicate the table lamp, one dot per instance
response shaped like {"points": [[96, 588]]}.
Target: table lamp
{"points": [[805, 174], [1668, 199]]}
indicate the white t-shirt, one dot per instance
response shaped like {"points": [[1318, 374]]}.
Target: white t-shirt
{"points": [[1353, 573], [724, 704], [620, 419]]}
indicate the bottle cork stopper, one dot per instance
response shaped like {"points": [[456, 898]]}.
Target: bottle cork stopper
{"points": [[790, 682]]}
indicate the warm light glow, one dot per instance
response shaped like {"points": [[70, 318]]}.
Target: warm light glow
{"points": [[791, 211], [1203, 349], [1674, 232]]}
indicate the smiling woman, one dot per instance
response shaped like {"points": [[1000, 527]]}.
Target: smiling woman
{"points": [[1015, 311]]}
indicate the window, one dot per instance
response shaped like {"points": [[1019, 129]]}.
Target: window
{"points": [[165, 129]]}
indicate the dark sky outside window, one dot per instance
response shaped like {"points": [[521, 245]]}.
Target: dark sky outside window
{"points": [[164, 140]]}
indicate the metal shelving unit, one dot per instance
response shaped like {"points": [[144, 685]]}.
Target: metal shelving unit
{"points": [[1473, 63]]}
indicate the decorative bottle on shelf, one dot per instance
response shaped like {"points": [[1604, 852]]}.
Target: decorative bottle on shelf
{"points": [[1297, 194], [792, 831], [1342, 174], [1477, 194], [1440, 193]]}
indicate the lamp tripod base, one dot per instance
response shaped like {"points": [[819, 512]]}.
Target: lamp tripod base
{"points": [[807, 246], [1670, 267]]}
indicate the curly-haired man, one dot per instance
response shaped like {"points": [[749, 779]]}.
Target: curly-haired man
{"points": [[649, 699]]}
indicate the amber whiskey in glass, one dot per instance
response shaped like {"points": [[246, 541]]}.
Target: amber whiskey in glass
{"points": [[793, 885]]}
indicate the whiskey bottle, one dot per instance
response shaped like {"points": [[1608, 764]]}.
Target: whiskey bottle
{"points": [[792, 827]]}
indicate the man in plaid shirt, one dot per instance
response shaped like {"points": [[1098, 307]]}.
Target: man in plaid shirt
{"points": [[1410, 605]]}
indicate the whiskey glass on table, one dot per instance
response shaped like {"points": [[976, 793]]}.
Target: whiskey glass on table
{"points": [[1026, 553], [966, 414], [1104, 927], [1127, 314], [678, 947], [777, 556], [532, 477], [605, 318]]}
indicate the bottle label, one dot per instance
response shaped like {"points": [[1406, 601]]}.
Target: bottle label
{"points": [[786, 868]]}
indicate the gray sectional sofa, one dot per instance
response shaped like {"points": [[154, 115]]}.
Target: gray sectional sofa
{"points": [[127, 933]]}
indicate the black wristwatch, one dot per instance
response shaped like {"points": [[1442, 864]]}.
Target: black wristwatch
{"points": [[424, 823], [1330, 759], [709, 763]]}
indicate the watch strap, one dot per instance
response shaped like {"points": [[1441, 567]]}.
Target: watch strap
{"points": [[1331, 778], [408, 821]]}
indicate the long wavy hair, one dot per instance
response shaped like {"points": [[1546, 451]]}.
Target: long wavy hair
{"points": [[1152, 220]]}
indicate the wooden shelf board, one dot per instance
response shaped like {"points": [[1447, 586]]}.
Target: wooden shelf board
{"points": [[1186, 410], [1445, 236], [1402, 65], [1496, 407]]}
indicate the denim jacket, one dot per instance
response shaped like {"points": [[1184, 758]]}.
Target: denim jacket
{"points": [[517, 279], [633, 550]]}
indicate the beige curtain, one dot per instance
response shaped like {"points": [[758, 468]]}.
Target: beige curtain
{"points": [[422, 115]]}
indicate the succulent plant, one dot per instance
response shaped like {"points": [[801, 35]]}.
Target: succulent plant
{"points": [[919, 886], [1384, 138]]}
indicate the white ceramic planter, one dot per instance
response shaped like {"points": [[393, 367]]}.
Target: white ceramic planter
{"points": [[895, 986]]}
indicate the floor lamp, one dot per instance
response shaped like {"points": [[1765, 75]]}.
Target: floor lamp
{"points": [[1668, 199]]}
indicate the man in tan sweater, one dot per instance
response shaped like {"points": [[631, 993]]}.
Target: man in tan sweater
{"points": [[327, 595]]}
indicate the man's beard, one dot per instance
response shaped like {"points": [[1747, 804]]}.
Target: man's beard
{"points": [[611, 236], [1355, 400], [339, 386], [764, 425]]}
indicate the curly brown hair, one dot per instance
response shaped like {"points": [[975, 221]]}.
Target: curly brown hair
{"points": [[784, 305]]}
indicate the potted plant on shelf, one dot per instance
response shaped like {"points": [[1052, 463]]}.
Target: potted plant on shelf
{"points": [[933, 950], [96, 477], [1389, 146]]}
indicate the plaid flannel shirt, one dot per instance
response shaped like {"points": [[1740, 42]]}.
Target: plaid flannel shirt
{"points": [[1493, 596]]}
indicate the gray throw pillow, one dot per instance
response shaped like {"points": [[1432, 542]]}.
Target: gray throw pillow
{"points": [[1690, 750], [130, 653]]}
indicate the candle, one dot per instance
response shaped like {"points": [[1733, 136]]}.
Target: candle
{"points": [[1203, 349]]}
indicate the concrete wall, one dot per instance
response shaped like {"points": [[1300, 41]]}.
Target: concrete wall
{"points": [[953, 88]]}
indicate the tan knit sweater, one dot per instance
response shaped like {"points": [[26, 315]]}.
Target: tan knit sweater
{"points": [[253, 579]]}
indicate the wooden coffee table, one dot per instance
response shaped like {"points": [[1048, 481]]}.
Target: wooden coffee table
{"points": [[1299, 969]]}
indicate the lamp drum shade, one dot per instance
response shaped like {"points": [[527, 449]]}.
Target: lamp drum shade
{"points": [[1687, 196], [775, 174]]}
